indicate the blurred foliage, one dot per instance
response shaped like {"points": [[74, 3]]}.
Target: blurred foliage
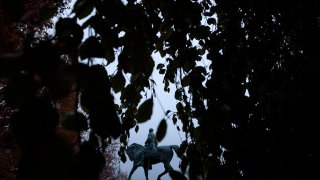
{"points": [[162, 129], [254, 104]]}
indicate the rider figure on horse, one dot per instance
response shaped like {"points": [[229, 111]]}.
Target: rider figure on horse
{"points": [[150, 147]]}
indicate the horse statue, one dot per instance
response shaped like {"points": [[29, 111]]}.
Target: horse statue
{"points": [[163, 154]]}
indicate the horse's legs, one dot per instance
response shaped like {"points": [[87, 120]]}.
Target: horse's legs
{"points": [[167, 168], [132, 171], [146, 169]]}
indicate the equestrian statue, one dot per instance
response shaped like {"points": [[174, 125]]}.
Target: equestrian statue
{"points": [[150, 154]]}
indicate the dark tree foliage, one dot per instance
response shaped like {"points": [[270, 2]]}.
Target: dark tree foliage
{"points": [[18, 20], [37, 140], [255, 105]]}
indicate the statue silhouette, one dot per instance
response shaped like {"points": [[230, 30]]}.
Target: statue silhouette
{"points": [[163, 154], [150, 148]]}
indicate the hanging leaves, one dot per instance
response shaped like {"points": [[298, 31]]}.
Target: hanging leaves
{"points": [[161, 130], [117, 82], [83, 8], [97, 98], [161, 69], [144, 111], [182, 149], [91, 48], [160, 66], [123, 158], [69, 32], [130, 96], [136, 129], [184, 164], [93, 139]]}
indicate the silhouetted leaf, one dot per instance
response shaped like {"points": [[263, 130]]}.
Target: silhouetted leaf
{"points": [[122, 149], [123, 139], [186, 81], [109, 54], [68, 31], [197, 132], [201, 32], [174, 118], [97, 98], [160, 66], [136, 129], [177, 175], [118, 82], [123, 157], [178, 94], [168, 111], [162, 71], [145, 111], [93, 140], [161, 130], [182, 149], [184, 164], [91, 48], [130, 95], [180, 108], [83, 8], [211, 21]]}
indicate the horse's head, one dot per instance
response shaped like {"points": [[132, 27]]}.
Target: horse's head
{"points": [[132, 150]]}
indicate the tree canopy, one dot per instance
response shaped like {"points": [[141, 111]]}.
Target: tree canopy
{"points": [[254, 105], [45, 146]]}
